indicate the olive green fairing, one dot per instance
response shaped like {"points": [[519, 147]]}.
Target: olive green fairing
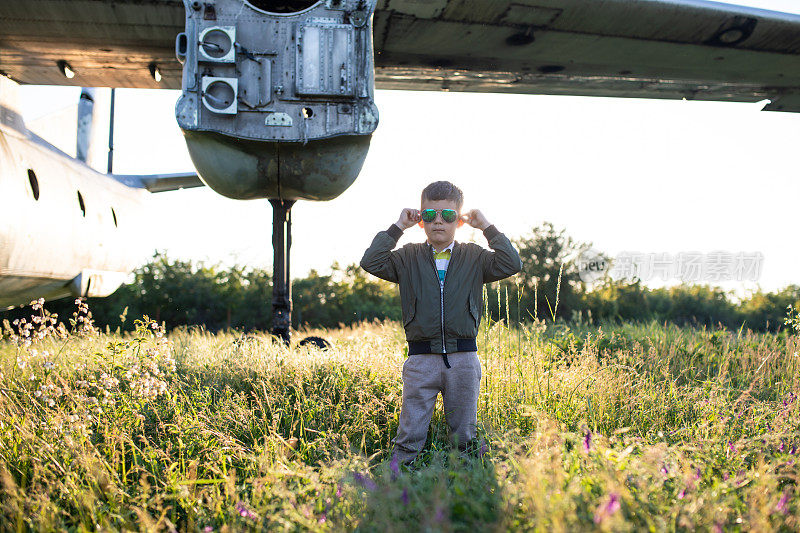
{"points": [[244, 170]]}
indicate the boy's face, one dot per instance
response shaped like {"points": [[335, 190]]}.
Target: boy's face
{"points": [[439, 232]]}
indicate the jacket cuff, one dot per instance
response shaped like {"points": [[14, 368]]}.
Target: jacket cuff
{"points": [[395, 232], [491, 232]]}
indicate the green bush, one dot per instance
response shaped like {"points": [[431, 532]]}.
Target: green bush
{"points": [[185, 293]]}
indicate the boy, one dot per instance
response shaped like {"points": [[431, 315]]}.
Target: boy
{"points": [[442, 298]]}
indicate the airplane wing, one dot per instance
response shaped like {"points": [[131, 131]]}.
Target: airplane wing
{"points": [[691, 49], [160, 182]]}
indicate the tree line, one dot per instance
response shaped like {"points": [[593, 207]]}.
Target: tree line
{"points": [[187, 293]]}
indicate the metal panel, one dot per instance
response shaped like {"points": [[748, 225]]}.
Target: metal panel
{"points": [[289, 66], [646, 48], [219, 95], [290, 114], [215, 44], [255, 87], [325, 60]]}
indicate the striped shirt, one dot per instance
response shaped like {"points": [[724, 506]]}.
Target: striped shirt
{"points": [[442, 260]]}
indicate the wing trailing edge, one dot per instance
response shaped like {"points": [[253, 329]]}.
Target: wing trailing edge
{"points": [[161, 182]]}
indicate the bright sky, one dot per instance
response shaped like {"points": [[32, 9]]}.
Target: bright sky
{"points": [[624, 174]]}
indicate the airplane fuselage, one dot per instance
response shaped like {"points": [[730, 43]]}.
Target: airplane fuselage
{"points": [[65, 228]]}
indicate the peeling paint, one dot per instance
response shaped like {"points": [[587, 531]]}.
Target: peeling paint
{"points": [[426, 9], [111, 43], [524, 15]]}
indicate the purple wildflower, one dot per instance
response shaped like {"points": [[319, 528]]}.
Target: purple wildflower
{"points": [[587, 441], [599, 517], [322, 519], [604, 510], [792, 450], [664, 470], [780, 448], [613, 503], [782, 503], [439, 514], [404, 497], [725, 476], [682, 494], [338, 491], [394, 466], [483, 450], [244, 512], [364, 481], [697, 474], [718, 528], [208, 529]]}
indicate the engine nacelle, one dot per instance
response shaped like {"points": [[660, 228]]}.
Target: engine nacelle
{"points": [[277, 105]]}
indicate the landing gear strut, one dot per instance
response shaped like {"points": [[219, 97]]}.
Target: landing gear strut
{"points": [[281, 280]]}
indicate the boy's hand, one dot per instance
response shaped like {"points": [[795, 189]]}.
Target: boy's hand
{"points": [[476, 219], [408, 217]]}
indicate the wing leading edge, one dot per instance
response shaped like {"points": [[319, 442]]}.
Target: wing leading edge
{"points": [[631, 48]]}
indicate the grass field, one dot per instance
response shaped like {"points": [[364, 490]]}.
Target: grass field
{"points": [[631, 427]]}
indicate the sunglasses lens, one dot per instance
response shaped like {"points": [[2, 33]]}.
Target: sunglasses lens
{"points": [[428, 215], [448, 215]]}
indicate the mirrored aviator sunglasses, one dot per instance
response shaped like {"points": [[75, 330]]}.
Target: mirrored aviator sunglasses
{"points": [[448, 215]]}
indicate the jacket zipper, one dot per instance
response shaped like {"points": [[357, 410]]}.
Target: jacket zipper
{"points": [[441, 301], [441, 296]]}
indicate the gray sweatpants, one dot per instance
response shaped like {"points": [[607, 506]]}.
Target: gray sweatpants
{"points": [[424, 376]]}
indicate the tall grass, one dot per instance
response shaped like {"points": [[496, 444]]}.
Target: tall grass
{"points": [[638, 426]]}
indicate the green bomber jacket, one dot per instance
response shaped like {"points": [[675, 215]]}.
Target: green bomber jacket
{"points": [[441, 320]]}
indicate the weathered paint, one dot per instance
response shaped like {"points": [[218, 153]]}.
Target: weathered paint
{"points": [[631, 48], [242, 169], [46, 243], [278, 105]]}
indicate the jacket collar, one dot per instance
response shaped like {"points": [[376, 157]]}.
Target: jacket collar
{"points": [[450, 247]]}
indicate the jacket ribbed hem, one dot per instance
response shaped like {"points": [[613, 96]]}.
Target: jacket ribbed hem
{"points": [[462, 345], [491, 232]]}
